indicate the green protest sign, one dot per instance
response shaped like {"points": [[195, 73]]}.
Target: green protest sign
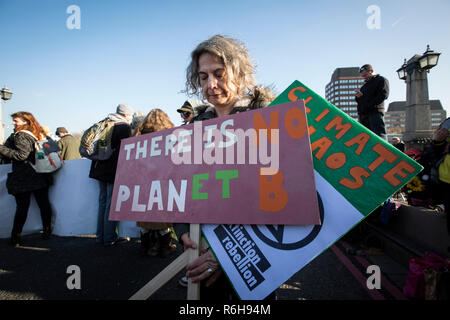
{"points": [[364, 168]]}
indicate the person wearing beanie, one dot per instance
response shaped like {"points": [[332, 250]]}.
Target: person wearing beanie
{"points": [[125, 110], [68, 144], [105, 171]]}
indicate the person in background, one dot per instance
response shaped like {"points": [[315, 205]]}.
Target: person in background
{"points": [[24, 181], [105, 171], [49, 134], [138, 117], [441, 150], [186, 112], [68, 144], [370, 99], [190, 109], [156, 238], [222, 72], [396, 142]]}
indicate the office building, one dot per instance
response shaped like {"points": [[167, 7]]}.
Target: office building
{"points": [[340, 91]]}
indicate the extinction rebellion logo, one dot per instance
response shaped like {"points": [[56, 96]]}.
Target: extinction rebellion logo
{"points": [[245, 255], [278, 232]]}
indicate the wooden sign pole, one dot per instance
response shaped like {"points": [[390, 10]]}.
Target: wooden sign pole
{"points": [[193, 291]]}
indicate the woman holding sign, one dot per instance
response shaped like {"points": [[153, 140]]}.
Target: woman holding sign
{"points": [[221, 71]]}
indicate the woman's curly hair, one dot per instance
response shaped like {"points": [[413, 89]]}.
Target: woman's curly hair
{"points": [[156, 120], [234, 56], [31, 125]]}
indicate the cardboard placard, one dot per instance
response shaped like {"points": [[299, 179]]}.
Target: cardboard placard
{"points": [[257, 162]]}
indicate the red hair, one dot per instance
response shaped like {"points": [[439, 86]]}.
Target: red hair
{"points": [[31, 124]]}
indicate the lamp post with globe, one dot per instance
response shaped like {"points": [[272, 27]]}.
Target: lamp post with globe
{"points": [[418, 129]]}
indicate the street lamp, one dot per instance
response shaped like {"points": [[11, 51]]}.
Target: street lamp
{"points": [[429, 59], [5, 94], [402, 71], [418, 127]]}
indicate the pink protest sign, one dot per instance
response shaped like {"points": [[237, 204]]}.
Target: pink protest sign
{"points": [[253, 167]]}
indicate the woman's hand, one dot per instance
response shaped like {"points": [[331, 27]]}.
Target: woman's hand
{"points": [[205, 266]]}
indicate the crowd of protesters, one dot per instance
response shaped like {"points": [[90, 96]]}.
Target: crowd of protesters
{"points": [[222, 73]]}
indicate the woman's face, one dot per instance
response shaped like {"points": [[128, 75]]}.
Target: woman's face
{"points": [[217, 85], [18, 122]]}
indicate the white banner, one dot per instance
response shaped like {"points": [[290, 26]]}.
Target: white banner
{"points": [[258, 259], [74, 200]]}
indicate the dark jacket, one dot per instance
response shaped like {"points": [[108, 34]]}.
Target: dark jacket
{"points": [[374, 91], [69, 147], [400, 146], [105, 170], [19, 148]]}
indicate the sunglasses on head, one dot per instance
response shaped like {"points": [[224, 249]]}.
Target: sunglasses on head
{"points": [[186, 114]]}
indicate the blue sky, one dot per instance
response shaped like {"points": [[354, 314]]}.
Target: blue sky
{"points": [[137, 51]]}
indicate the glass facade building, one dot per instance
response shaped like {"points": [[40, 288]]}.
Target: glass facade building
{"points": [[340, 91]]}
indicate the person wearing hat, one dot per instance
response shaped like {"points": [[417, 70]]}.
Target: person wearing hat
{"points": [[105, 171], [370, 99], [192, 108], [186, 112], [68, 144]]}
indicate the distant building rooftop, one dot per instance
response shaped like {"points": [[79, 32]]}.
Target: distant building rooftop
{"points": [[345, 72]]}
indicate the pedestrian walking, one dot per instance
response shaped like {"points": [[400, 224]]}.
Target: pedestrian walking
{"points": [[24, 181]]}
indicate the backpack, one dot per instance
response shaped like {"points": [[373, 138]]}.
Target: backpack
{"points": [[47, 156], [95, 143]]}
